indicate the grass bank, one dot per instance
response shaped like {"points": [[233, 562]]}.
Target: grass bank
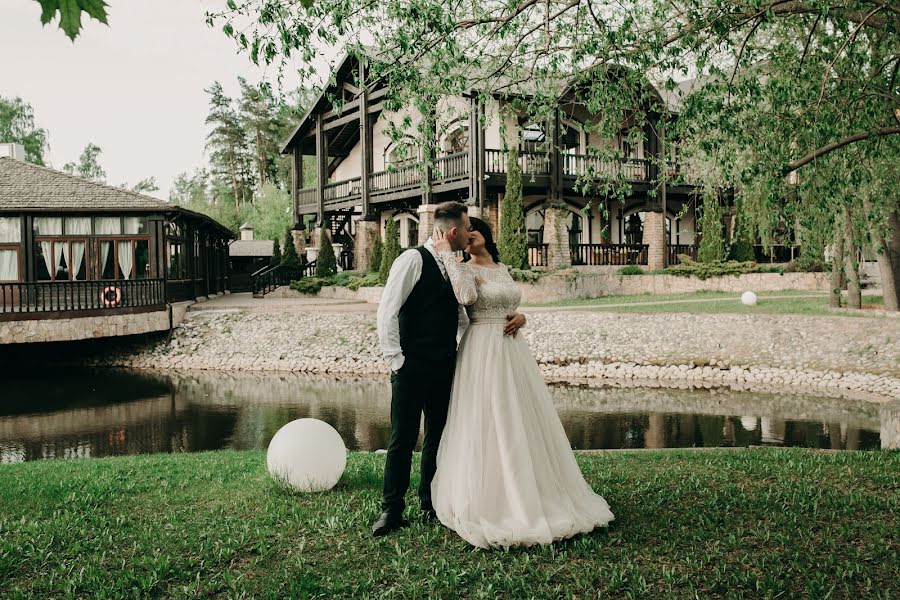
{"points": [[748, 523]]}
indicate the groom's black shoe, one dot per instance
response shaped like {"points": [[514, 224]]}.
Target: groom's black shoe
{"points": [[427, 513], [388, 522]]}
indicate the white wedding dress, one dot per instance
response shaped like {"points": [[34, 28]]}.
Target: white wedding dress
{"points": [[506, 473]]}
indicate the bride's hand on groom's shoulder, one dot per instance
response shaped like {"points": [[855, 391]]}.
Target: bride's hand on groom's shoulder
{"points": [[514, 323]]}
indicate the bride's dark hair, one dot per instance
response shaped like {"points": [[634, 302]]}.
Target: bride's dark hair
{"points": [[485, 230]]}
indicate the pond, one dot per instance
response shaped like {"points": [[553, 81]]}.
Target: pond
{"points": [[70, 414]]}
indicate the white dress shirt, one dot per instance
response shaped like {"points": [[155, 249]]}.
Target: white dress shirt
{"points": [[405, 273]]}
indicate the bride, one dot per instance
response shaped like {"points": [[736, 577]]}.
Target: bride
{"points": [[506, 473]]}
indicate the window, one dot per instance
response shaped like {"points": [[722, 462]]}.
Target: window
{"points": [[402, 154], [177, 251], [10, 245], [458, 141], [412, 237], [534, 137]]}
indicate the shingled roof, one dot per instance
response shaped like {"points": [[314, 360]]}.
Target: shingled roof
{"points": [[25, 186], [251, 248]]}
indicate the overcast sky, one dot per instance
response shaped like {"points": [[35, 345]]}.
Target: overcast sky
{"points": [[134, 88]]}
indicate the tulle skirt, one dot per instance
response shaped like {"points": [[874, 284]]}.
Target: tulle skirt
{"points": [[506, 473]]}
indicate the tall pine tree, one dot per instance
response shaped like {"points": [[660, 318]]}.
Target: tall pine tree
{"points": [[390, 251], [712, 245]]}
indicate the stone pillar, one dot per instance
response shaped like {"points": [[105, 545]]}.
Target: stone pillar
{"points": [[366, 234], [475, 211], [890, 426], [654, 237], [299, 237], [492, 215], [556, 236], [426, 222]]}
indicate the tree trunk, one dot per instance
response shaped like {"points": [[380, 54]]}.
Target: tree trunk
{"points": [[887, 249], [854, 298], [260, 159], [837, 263], [233, 178]]}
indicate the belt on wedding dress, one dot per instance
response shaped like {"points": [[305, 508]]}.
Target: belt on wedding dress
{"points": [[487, 320]]}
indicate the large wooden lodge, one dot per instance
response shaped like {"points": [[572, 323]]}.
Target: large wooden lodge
{"points": [[363, 178]]}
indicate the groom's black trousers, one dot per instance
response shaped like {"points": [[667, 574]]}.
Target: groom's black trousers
{"points": [[421, 385]]}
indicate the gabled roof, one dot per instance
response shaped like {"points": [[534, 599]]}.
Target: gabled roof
{"points": [[28, 187]]}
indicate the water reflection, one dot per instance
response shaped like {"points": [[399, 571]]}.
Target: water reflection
{"points": [[106, 413]]}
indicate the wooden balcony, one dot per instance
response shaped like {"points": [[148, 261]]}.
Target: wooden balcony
{"points": [[69, 299], [453, 172]]}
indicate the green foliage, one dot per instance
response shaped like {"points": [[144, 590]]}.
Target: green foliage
{"points": [[354, 281], [271, 213], [741, 251], [719, 268], [513, 242], [631, 270], [70, 13], [289, 256], [712, 246], [391, 250], [308, 285], [145, 186], [88, 165], [276, 253], [375, 259], [17, 126], [526, 275], [326, 264]]}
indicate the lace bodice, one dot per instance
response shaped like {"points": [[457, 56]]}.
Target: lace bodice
{"points": [[487, 293]]}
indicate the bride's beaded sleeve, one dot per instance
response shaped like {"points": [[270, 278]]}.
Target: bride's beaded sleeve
{"points": [[462, 278]]}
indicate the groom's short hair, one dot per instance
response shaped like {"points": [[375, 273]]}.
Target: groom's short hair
{"points": [[449, 214]]}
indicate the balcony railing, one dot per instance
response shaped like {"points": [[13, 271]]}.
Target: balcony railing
{"points": [[608, 254], [675, 250], [268, 278], [537, 254], [65, 299], [409, 177]]}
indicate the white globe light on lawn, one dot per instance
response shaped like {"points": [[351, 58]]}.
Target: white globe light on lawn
{"points": [[748, 299], [307, 454]]}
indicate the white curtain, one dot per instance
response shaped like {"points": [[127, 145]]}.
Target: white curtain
{"points": [[105, 247], [47, 251], [132, 225], [9, 265], [78, 226], [77, 259], [126, 260], [48, 225], [65, 254], [10, 230], [108, 225]]}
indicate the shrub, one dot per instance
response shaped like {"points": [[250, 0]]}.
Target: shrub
{"points": [[326, 263], [691, 268], [308, 285], [525, 275], [289, 256], [631, 270], [375, 259], [741, 251], [390, 251], [276, 253], [712, 246]]}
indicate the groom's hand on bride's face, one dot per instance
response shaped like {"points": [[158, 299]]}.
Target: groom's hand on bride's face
{"points": [[514, 323]]}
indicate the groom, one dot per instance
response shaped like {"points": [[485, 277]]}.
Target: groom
{"points": [[418, 323]]}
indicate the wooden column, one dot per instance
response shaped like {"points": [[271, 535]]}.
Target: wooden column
{"points": [[365, 140], [296, 183], [321, 170], [473, 149], [430, 134], [27, 249], [555, 174], [480, 158]]}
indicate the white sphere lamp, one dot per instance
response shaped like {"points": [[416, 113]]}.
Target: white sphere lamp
{"points": [[748, 299], [307, 454]]}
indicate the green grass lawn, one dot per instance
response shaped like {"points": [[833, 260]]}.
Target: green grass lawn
{"points": [[772, 303], [760, 523]]}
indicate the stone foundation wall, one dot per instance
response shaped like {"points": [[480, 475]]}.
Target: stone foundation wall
{"points": [[82, 328]]}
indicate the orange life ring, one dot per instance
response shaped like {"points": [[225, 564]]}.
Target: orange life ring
{"points": [[111, 302]]}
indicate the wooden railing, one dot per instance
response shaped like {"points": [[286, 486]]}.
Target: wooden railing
{"points": [[530, 163], [343, 189], [64, 299], [537, 255], [268, 278], [306, 196], [397, 178], [581, 165], [677, 249], [608, 254], [451, 166]]}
